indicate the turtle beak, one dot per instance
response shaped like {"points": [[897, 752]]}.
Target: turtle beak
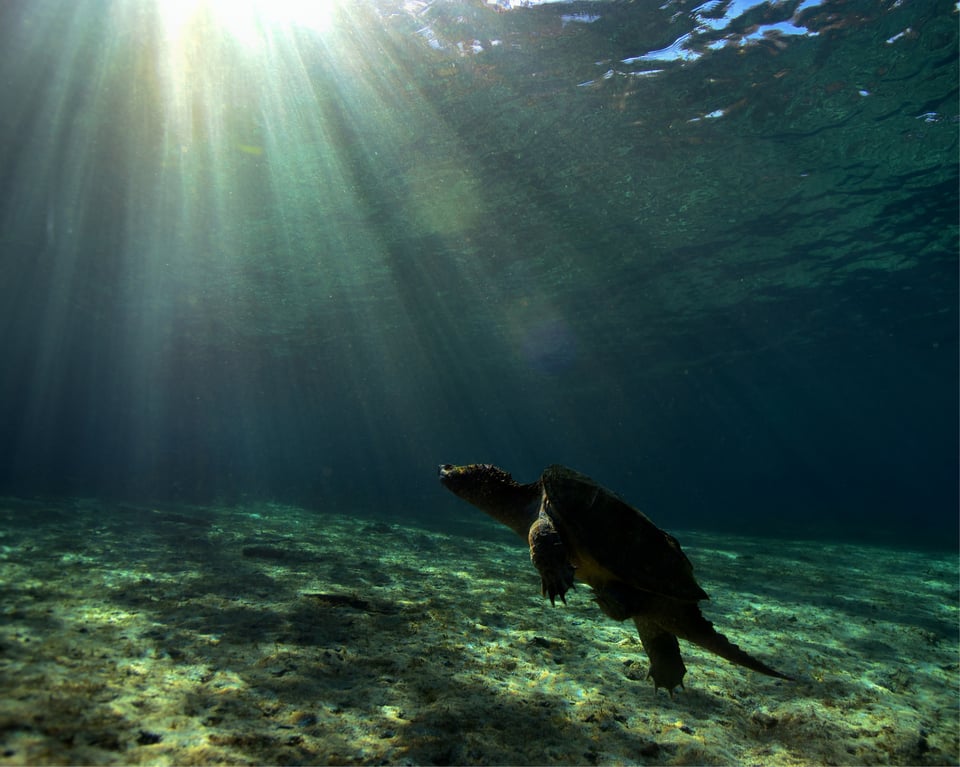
{"points": [[450, 476]]}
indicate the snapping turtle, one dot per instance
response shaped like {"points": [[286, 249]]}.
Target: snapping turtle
{"points": [[577, 529]]}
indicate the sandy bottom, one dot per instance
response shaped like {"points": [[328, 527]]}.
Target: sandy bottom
{"points": [[274, 635]]}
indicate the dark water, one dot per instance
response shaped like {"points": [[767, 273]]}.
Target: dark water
{"points": [[706, 254]]}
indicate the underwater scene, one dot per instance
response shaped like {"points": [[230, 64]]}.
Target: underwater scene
{"points": [[479, 382]]}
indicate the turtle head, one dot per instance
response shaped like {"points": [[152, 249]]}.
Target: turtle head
{"points": [[494, 491], [475, 481]]}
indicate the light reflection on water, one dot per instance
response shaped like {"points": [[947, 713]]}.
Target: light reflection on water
{"points": [[711, 26]]}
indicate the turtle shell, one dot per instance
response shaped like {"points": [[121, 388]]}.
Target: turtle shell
{"points": [[609, 541]]}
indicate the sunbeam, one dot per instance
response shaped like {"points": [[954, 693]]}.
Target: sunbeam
{"points": [[283, 207], [247, 20]]}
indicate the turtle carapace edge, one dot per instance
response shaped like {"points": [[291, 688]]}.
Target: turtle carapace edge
{"points": [[578, 530]]}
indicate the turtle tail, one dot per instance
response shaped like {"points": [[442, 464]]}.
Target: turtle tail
{"points": [[693, 627]]}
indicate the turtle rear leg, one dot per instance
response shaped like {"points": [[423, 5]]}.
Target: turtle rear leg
{"points": [[666, 665], [661, 646]]}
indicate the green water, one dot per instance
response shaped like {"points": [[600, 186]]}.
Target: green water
{"points": [[706, 255]]}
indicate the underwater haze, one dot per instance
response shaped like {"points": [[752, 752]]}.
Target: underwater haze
{"points": [[303, 253]]}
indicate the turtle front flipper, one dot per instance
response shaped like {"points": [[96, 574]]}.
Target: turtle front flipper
{"points": [[549, 556], [666, 665]]}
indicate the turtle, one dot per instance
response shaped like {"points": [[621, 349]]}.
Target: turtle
{"points": [[578, 530]]}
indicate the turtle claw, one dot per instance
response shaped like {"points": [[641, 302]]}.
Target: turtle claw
{"points": [[555, 585], [670, 690]]}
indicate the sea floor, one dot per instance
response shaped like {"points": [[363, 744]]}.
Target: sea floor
{"points": [[275, 635]]}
